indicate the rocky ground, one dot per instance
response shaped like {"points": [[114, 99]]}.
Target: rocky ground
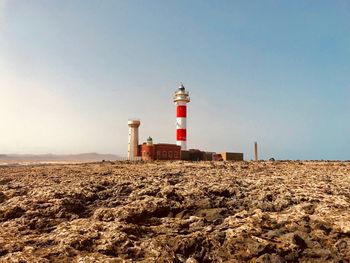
{"points": [[176, 212]]}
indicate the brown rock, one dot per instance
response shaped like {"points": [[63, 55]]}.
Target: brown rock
{"points": [[176, 212]]}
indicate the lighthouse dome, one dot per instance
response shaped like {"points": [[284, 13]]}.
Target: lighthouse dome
{"points": [[149, 140]]}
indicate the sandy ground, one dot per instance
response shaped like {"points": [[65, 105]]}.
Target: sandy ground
{"points": [[176, 212]]}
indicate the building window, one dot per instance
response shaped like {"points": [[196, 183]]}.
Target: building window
{"points": [[170, 155], [164, 155], [159, 155], [176, 155]]}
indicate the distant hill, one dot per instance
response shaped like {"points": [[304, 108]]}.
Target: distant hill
{"points": [[42, 158]]}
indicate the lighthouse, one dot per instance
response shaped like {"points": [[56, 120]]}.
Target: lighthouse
{"points": [[181, 98], [133, 138]]}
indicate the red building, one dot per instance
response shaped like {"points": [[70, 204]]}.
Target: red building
{"points": [[161, 151]]}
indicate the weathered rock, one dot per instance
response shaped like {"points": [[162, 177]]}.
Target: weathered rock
{"points": [[277, 211], [2, 197], [12, 213]]}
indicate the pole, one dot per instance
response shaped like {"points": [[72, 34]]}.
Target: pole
{"points": [[256, 151]]}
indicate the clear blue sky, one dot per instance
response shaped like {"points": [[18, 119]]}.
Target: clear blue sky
{"points": [[276, 72]]}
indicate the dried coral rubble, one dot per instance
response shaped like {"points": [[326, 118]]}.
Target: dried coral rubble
{"points": [[176, 212]]}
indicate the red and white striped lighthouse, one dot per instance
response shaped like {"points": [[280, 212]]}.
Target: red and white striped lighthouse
{"points": [[181, 98]]}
